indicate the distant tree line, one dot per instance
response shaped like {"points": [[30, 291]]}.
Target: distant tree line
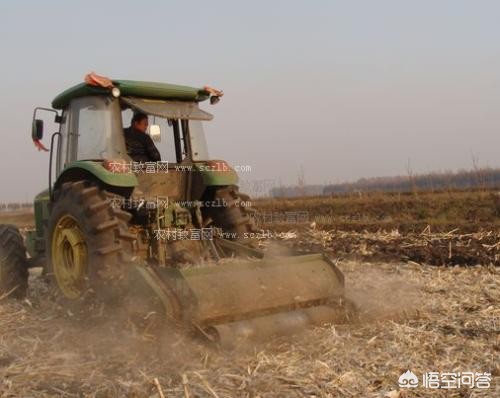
{"points": [[296, 191], [479, 178], [463, 179]]}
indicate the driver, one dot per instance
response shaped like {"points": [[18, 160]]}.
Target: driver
{"points": [[140, 146]]}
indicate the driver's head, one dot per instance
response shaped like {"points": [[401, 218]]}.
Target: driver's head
{"points": [[140, 122]]}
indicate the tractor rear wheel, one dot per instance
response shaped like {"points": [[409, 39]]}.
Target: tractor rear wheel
{"points": [[88, 243], [13, 262], [236, 214]]}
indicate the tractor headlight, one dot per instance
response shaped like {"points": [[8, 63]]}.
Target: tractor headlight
{"points": [[115, 92]]}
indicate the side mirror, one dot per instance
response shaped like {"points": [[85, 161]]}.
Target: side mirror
{"points": [[155, 132], [37, 129]]}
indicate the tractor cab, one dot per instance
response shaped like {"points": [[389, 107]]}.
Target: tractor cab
{"points": [[91, 122]]}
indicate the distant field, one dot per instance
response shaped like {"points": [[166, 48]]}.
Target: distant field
{"points": [[468, 211], [440, 228], [21, 218], [443, 228]]}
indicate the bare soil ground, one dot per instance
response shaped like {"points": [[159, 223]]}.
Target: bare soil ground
{"points": [[449, 248], [415, 314], [416, 317]]}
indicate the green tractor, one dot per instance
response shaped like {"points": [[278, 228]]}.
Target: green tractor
{"points": [[177, 232]]}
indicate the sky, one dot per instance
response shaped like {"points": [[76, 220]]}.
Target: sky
{"points": [[338, 89]]}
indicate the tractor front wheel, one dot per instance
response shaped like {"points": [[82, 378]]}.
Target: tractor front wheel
{"points": [[13, 262]]}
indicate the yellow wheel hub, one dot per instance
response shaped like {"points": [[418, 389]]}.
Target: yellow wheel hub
{"points": [[69, 257]]}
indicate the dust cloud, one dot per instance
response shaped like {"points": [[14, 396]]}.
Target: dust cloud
{"points": [[381, 292]]}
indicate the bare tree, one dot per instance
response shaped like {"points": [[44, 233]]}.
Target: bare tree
{"points": [[411, 177], [478, 172]]}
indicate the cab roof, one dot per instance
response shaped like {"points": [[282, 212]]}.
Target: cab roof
{"points": [[134, 88]]}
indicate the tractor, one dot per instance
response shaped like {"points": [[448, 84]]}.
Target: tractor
{"points": [[177, 232]]}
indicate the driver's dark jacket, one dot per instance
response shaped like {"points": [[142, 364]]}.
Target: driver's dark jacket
{"points": [[140, 146]]}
